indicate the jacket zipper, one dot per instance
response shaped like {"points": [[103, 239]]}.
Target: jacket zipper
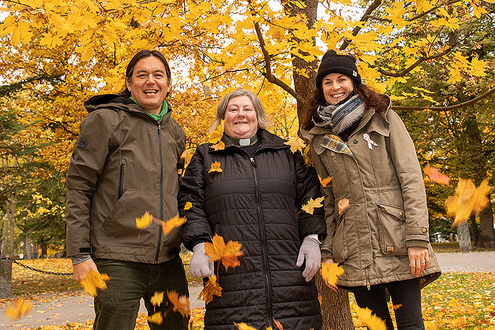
{"points": [[266, 269], [161, 191]]}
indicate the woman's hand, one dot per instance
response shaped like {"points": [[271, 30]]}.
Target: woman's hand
{"points": [[418, 259]]}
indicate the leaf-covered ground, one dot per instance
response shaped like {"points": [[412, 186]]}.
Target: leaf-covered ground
{"points": [[454, 301]]}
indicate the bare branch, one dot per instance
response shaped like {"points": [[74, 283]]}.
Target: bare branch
{"points": [[364, 18], [452, 107]]}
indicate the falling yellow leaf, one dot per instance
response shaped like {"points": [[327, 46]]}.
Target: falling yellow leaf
{"points": [[219, 146], [20, 308], [181, 304], [373, 322], [167, 226], [467, 200], [396, 307], [188, 206], [330, 272], [155, 318], [435, 175], [326, 181], [144, 221], [296, 144], [217, 134], [215, 167], [93, 281], [210, 289], [343, 204], [307, 156], [157, 299], [277, 324], [228, 253], [312, 204], [186, 155], [244, 326]]}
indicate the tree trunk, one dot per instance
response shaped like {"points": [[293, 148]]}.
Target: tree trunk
{"points": [[12, 227], [487, 233], [475, 233], [335, 310], [464, 238], [28, 248]]}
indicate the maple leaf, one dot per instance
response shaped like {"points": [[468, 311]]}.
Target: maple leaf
{"points": [[157, 299], [186, 155], [20, 308], [324, 182], [188, 206], [228, 253], [307, 156], [93, 281], [396, 307], [181, 304], [312, 204], [215, 167], [155, 318], [210, 289], [144, 221], [343, 205], [176, 221], [219, 146], [373, 322], [244, 326], [278, 324], [435, 175], [467, 200], [295, 144], [330, 272], [217, 134]]}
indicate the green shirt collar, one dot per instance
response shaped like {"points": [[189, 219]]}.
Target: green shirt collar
{"points": [[161, 114]]}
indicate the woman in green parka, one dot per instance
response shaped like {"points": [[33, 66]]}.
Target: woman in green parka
{"points": [[375, 206]]}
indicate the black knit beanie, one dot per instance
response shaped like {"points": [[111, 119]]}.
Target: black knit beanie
{"points": [[334, 63]]}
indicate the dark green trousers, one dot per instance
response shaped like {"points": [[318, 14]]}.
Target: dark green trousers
{"points": [[117, 307]]}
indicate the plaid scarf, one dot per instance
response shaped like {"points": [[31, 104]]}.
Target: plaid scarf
{"points": [[341, 116]]}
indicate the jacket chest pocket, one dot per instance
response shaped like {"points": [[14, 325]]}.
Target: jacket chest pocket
{"points": [[392, 229]]}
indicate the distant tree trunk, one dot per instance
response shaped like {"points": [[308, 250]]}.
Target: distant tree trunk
{"points": [[487, 233], [44, 252], [464, 238], [28, 248], [335, 310], [475, 232], [12, 227]]}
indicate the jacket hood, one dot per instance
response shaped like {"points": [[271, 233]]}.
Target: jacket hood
{"points": [[108, 101]]}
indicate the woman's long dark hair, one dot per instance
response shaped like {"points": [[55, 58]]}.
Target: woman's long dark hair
{"points": [[316, 98]]}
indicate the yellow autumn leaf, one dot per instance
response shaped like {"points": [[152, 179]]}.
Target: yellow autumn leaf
{"points": [[210, 289], [188, 206], [228, 253], [330, 272], [176, 221], [144, 221], [324, 182], [295, 144], [312, 204], [244, 326], [218, 146], [343, 205], [20, 308], [467, 200], [217, 134], [373, 322], [93, 281], [155, 318], [181, 303], [215, 167], [186, 155], [157, 299]]}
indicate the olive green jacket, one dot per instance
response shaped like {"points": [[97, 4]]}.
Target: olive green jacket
{"points": [[377, 172], [124, 164]]}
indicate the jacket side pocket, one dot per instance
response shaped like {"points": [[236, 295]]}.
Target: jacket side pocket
{"points": [[392, 229], [340, 248]]}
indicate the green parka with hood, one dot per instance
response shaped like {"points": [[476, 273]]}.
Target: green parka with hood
{"points": [[377, 172], [124, 164]]}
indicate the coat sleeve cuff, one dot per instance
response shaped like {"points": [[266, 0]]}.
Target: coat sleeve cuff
{"points": [[419, 243]]}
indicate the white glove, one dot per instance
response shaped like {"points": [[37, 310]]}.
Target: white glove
{"points": [[200, 265], [309, 252]]}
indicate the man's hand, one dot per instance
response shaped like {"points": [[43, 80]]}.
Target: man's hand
{"points": [[81, 269]]}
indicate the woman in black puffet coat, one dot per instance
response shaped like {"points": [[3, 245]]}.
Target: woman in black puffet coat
{"points": [[256, 200]]}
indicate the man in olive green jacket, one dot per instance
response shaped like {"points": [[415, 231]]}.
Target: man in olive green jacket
{"points": [[125, 163]]}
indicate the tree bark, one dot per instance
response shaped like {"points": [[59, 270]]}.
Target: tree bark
{"points": [[464, 238], [487, 233], [335, 309]]}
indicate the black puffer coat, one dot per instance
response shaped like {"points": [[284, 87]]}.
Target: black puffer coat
{"points": [[256, 202]]}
